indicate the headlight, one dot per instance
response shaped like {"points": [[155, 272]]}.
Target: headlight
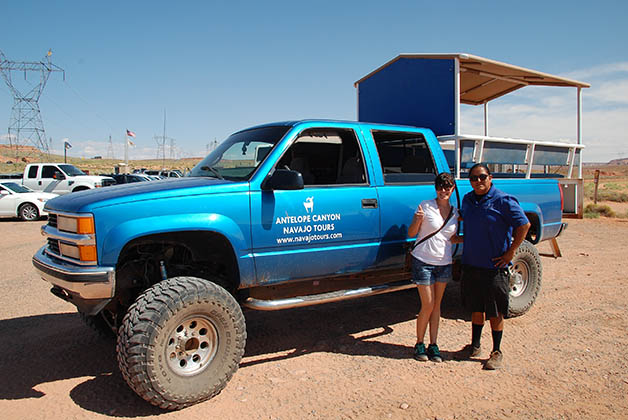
{"points": [[43, 200], [80, 224]]}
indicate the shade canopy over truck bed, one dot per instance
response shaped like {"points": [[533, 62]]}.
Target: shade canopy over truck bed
{"points": [[426, 90]]}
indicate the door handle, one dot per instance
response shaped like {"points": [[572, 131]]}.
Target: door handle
{"points": [[369, 203]]}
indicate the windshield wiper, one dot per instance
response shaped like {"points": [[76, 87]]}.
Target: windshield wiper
{"points": [[214, 171]]}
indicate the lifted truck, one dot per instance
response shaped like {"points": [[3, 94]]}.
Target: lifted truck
{"points": [[321, 215]]}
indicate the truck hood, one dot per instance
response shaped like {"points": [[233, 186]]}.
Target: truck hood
{"points": [[86, 201]]}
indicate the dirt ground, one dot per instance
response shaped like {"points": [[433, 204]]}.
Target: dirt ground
{"points": [[565, 359]]}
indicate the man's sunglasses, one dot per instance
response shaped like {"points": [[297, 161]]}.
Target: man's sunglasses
{"points": [[481, 177]]}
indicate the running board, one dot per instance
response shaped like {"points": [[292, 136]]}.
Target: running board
{"points": [[300, 301]]}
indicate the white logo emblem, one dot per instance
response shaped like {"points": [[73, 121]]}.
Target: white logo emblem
{"points": [[309, 204]]}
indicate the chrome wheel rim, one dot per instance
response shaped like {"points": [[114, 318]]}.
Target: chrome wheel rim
{"points": [[519, 278], [192, 345], [29, 212]]}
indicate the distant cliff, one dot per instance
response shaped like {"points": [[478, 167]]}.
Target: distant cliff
{"points": [[623, 161]]}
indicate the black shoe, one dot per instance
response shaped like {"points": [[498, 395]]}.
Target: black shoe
{"points": [[419, 352], [433, 353]]}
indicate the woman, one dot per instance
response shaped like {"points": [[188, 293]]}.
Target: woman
{"points": [[435, 222]]}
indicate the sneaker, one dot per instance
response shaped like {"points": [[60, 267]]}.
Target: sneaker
{"points": [[419, 352], [433, 353], [469, 351], [495, 361]]}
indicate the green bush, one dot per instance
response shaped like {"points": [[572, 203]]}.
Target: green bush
{"points": [[598, 209]]}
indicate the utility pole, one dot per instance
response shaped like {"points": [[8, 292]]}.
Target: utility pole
{"points": [[26, 124]]}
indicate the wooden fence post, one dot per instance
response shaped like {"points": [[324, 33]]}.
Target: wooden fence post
{"points": [[596, 181]]}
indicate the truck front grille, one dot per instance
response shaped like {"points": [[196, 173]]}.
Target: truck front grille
{"points": [[53, 246]]}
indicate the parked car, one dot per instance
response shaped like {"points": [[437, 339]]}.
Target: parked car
{"points": [[19, 201], [127, 178]]}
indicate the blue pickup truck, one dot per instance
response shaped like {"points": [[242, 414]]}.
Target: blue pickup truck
{"points": [[278, 216]]}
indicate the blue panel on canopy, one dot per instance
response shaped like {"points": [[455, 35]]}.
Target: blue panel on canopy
{"points": [[416, 92]]}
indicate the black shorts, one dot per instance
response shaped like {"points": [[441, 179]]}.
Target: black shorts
{"points": [[486, 290]]}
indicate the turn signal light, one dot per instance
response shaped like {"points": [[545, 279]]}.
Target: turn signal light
{"points": [[87, 252], [85, 225]]}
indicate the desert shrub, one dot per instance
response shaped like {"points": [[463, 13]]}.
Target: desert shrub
{"points": [[591, 210]]}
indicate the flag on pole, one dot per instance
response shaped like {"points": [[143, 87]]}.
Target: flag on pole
{"points": [[130, 133], [67, 145], [131, 143]]}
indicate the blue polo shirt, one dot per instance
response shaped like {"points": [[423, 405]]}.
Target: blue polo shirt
{"points": [[488, 226]]}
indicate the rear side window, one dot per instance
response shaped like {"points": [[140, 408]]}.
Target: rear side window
{"points": [[326, 157], [405, 157], [32, 171]]}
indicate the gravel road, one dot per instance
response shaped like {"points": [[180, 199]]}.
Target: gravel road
{"points": [[565, 359]]}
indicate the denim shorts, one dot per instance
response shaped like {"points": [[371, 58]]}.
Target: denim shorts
{"points": [[427, 274]]}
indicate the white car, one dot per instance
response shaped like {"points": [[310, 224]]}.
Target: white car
{"points": [[19, 201]]}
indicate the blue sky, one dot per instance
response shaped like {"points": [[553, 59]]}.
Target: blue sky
{"points": [[219, 66]]}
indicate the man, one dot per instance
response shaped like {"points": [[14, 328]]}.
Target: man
{"points": [[494, 227]]}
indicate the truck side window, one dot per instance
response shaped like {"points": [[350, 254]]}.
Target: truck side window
{"points": [[326, 157], [32, 171], [405, 157], [48, 171]]}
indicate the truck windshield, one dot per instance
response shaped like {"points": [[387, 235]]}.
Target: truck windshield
{"points": [[71, 170], [237, 157]]}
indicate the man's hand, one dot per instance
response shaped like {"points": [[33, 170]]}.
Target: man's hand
{"points": [[505, 259]]}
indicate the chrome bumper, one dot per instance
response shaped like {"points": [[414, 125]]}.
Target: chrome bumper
{"points": [[84, 283]]}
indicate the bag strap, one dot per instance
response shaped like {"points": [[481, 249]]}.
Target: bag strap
{"points": [[425, 238]]}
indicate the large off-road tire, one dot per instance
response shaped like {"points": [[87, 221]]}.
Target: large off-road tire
{"points": [[181, 341], [28, 212], [525, 280]]}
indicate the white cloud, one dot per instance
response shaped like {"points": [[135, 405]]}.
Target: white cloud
{"points": [[596, 72]]}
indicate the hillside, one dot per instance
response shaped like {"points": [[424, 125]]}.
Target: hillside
{"points": [[9, 162]]}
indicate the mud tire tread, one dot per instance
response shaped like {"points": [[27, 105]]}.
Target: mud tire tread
{"points": [[520, 305], [145, 319]]}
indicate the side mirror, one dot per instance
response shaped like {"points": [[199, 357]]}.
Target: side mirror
{"points": [[4, 192], [284, 179], [58, 175]]}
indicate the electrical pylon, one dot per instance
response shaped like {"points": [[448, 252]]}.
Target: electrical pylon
{"points": [[26, 125], [110, 149]]}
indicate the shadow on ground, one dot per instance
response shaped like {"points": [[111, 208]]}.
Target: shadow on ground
{"points": [[46, 348]]}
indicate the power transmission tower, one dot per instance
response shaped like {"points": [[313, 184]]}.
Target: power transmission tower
{"points": [[161, 145], [110, 149], [26, 124]]}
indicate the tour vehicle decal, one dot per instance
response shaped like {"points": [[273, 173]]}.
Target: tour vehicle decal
{"points": [[308, 227]]}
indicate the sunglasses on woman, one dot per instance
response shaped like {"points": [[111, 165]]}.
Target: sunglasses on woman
{"points": [[481, 177]]}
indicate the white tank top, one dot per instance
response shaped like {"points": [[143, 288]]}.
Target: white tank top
{"points": [[437, 249]]}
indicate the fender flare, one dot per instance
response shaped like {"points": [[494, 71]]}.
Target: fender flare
{"points": [[117, 238], [537, 220]]}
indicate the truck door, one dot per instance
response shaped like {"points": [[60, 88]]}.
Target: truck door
{"points": [[329, 227], [49, 183], [407, 177]]}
